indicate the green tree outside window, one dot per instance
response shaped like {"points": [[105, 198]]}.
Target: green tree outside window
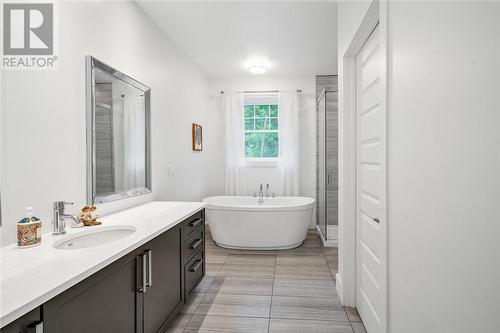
{"points": [[261, 131]]}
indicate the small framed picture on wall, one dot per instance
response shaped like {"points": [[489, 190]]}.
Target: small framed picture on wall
{"points": [[197, 137]]}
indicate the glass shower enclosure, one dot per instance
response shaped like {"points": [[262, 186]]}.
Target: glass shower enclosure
{"points": [[327, 167]]}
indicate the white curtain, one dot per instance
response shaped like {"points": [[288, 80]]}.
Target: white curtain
{"points": [[289, 142], [235, 178], [134, 140]]}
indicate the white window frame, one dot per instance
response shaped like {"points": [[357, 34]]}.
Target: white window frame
{"points": [[263, 99]]}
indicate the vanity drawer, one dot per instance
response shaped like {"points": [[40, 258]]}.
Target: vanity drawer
{"points": [[194, 242], [194, 271], [193, 222]]}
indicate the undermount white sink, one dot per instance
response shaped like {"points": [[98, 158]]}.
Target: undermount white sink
{"points": [[94, 237]]}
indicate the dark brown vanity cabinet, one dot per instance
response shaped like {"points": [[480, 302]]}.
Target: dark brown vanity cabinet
{"points": [[163, 297], [141, 292], [107, 301], [194, 252]]}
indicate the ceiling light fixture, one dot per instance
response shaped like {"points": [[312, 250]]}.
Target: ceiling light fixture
{"points": [[257, 68]]}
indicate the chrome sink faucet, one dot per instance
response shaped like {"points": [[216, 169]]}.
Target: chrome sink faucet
{"points": [[261, 195], [60, 218], [267, 190]]}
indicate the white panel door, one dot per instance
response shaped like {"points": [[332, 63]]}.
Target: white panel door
{"points": [[370, 189]]}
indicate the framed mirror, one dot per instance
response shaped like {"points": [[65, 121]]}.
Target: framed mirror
{"points": [[118, 134]]}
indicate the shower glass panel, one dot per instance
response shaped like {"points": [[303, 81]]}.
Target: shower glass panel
{"points": [[321, 160], [327, 161]]}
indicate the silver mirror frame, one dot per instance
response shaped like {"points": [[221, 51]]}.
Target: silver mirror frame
{"points": [[91, 64]]}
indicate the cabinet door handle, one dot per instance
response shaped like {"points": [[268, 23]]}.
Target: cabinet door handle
{"points": [[196, 244], [196, 265], [36, 327], [144, 286], [195, 223], [149, 253], [39, 327]]}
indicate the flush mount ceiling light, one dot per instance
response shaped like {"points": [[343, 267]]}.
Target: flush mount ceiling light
{"points": [[257, 68]]}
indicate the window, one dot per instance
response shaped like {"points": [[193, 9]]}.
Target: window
{"points": [[261, 131]]}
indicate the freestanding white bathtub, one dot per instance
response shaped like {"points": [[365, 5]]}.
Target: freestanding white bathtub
{"points": [[243, 223]]}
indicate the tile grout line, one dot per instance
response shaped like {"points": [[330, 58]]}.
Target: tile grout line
{"points": [[335, 282], [264, 295], [350, 323], [328, 264], [281, 318], [272, 293]]}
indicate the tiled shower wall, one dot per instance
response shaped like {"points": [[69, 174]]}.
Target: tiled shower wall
{"points": [[329, 83], [105, 180]]}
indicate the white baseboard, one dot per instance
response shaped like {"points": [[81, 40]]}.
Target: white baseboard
{"points": [[339, 287]]}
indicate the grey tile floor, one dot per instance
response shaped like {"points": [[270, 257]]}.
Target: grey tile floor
{"points": [[268, 292]]}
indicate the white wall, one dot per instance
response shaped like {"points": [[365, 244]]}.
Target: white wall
{"points": [[1, 158], [43, 113], [443, 164], [307, 129], [353, 13]]}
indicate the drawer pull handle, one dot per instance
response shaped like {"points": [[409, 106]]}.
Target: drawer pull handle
{"points": [[195, 223], [196, 265], [196, 244]]}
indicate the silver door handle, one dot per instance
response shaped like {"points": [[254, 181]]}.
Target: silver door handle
{"points": [[35, 327], [149, 253], [376, 219], [39, 327], [144, 286]]}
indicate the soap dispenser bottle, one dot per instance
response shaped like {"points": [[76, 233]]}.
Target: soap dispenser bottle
{"points": [[29, 230]]}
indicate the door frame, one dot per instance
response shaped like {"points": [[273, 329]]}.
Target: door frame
{"points": [[346, 278]]}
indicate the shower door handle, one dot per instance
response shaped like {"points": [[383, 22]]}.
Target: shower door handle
{"points": [[328, 176]]}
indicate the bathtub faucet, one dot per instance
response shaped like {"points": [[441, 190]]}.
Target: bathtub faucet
{"points": [[261, 195]]}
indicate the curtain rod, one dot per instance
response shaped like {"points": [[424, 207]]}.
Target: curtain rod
{"points": [[259, 91]]}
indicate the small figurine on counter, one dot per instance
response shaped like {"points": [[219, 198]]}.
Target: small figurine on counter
{"points": [[88, 217]]}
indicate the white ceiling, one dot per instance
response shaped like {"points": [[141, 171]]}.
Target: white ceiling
{"points": [[294, 37]]}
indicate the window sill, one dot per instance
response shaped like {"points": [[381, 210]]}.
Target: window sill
{"points": [[262, 162]]}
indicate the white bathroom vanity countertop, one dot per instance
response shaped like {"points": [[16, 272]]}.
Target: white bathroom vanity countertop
{"points": [[31, 277]]}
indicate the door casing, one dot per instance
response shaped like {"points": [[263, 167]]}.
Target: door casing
{"points": [[346, 278]]}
